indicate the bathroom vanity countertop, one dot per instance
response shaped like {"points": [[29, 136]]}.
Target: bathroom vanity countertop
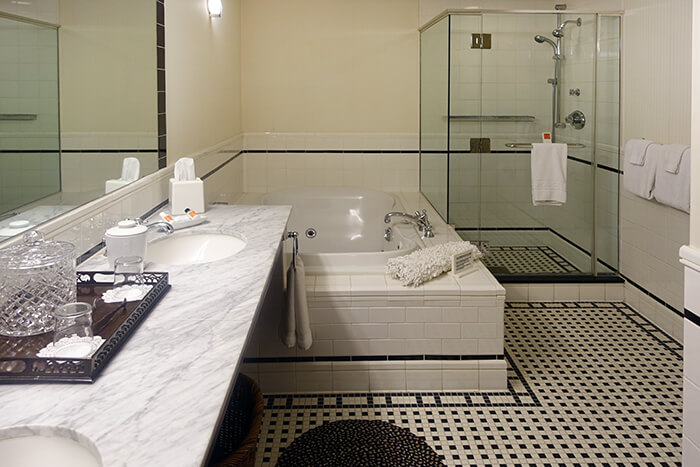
{"points": [[159, 399]]}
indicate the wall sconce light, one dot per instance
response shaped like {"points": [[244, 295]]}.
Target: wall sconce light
{"points": [[214, 7]]}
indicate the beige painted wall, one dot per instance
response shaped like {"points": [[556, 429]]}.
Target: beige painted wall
{"points": [[203, 70], [107, 69], [330, 66]]}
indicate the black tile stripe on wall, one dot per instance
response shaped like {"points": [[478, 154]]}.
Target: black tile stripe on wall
{"points": [[160, 89]]}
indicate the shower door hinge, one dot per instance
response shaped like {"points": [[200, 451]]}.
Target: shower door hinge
{"points": [[481, 41], [479, 145]]}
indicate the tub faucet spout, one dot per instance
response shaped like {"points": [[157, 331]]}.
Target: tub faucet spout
{"points": [[420, 220]]}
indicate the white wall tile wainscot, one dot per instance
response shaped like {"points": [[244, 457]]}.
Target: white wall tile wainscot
{"points": [[691, 362], [373, 334]]}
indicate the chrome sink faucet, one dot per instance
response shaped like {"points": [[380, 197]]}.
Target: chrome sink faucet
{"points": [[160, 225], [420, 220]]}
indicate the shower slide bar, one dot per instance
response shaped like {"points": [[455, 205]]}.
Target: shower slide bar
{"points": [[17, 116], [494, 118], [529, 145]]}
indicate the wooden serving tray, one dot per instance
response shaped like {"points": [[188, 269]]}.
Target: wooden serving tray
{"points": [[115, 322]]}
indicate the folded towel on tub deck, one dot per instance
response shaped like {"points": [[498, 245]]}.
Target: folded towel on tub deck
{"points": [[673, 153], [640, 179], [548, 171], [636, 151], [295, 328], [673, 189], [424, 264]]}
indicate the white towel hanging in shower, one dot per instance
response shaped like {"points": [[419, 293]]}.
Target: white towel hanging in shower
{"points": [[548, 167]]}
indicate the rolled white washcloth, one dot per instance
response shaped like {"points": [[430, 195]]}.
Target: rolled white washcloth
{"points": [[422, 265]]}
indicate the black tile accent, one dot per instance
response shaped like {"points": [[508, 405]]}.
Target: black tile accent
{"points": [[109, 151], [160, 58], [695, 319], [161, 104], [160, 75], [646, 292], [216, 169], [160, 13], [161, 124], [160, 35], [370, 358]]}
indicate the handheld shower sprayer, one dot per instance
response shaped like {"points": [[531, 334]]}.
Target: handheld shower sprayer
{"points": [[541, 39]]}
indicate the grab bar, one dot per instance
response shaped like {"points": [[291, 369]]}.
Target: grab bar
{"points": [[17, 116], [494, 118], [529, 145], [295, 247]]}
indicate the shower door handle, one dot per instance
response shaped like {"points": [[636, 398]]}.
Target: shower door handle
{"points": [[479, 145]]}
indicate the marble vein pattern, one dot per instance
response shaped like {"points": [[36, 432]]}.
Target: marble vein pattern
{"points": [[158, 400]]}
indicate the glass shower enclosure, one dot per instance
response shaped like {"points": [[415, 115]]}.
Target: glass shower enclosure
{"points": [[491, 84]]}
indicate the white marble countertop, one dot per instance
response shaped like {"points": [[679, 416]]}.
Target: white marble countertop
{"points": [[158, 400]]}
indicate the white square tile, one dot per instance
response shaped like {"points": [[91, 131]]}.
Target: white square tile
{"points": [[387, 315], [314, 381], [492, 380], [566, 292], [594, 292], [387, 346], [406, 330], [387, 380], [423, 380], [459, 314], [453, 380], [351, 380], [541, 292]]}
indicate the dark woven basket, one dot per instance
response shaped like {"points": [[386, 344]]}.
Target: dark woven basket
{"points": [[237, 439]]}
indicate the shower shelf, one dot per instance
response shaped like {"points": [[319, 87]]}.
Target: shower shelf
{"points": [[529, 145], [493, 118]]}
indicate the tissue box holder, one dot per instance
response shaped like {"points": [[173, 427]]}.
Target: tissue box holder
{"points": [[186, 194]]}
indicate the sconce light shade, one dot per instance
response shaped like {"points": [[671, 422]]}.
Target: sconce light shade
{"points": [[214, 7]]}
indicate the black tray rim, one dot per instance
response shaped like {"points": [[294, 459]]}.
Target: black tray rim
{"points": [[90, 369]]}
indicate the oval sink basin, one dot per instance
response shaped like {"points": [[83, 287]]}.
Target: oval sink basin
{"points": [[195, 248], [31, 450]]}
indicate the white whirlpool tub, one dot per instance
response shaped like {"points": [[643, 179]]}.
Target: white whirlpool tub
{"points": [[341, 230]]}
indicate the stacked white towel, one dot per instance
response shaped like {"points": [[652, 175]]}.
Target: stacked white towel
{"points": [[422, 265], [295, 327], [641, 159], [548, 169], [672, 186]]}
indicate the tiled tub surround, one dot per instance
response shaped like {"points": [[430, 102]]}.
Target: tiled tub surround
{"points": [[373, 334], [159, 400]]}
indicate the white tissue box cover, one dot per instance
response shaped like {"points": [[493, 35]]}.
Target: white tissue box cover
{"points": [[186, 194]]}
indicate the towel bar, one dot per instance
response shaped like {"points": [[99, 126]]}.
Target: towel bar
{"points": [[529, 145]]}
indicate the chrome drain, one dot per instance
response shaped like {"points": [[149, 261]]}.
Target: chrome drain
{"points": [[310, 233]]}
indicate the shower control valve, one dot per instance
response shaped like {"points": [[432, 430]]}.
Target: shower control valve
{"points": [[576, 119]]}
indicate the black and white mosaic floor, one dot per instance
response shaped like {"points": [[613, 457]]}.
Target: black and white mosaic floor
{"points": [[526, 260], [589, 384]]}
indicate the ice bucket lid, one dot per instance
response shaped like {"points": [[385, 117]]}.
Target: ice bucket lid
{"points": [[35, 252]]}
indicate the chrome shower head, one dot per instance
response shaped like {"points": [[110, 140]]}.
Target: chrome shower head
{"points": [[559, 31]]}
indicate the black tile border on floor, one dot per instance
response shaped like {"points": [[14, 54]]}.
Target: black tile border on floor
{"points": [[650, 328]]}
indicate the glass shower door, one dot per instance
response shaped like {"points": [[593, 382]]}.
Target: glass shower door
{"points": [[517, 105], [29, 141], [434, 104]]}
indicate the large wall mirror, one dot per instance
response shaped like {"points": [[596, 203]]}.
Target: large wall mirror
{"points": [[79, 106]]}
